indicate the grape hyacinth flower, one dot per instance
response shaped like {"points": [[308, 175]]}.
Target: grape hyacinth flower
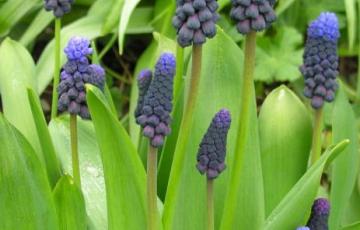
{"points": [[321, 60], [303, 228], [75, 74], [59, 7], [319, 215], [157, 103], [195, 21], [252, 15], [143, 80], [212, 150]]}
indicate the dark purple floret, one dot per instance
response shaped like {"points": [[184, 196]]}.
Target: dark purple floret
{"points": [[195, 21], [75, 74], [59, 7], [143, 80], [252, 15], [319, 215], [154, 117], [212, 150], [320, 66]]}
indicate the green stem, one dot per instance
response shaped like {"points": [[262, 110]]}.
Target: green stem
{"points": [[74, 150], [108, 46], [316, 140], [186, 125], [152, 189], [244, 123], [210, 204], [54, 104], [358, 77]]}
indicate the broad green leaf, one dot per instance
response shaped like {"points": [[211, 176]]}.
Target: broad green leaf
{"points": [[352, 211], [12, 11], [25, 194], [294, 208], [70, 205], [112, 19], [285, 140], [51, 161], [91, 170], [185, 203], [123, 171], [279, 57], [345, 167], [16, 75], [89, 27], [355, 226], [126, 11], [42, 19]]}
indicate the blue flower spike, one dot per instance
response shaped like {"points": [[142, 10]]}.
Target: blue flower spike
{"points": [[59, 7], [212, 150], [303, 228], [155, 100], [319, 215], [195, 21], [252, 15], [75, 74], [321, 61]]}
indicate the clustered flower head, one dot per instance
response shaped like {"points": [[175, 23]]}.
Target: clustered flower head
{"points": [[252, 15], [319, 215], [155, 100], [75, 74], [212, 150], [195, 21], [59, 7], [321, 60], [303, 228]]}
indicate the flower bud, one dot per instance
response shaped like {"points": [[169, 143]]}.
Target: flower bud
{"points": [[319, 215], [59, 7]]}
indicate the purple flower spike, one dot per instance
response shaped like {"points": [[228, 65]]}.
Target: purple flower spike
{"points": [[155, 100], [78, 48], [195, 21], [319, 215], [59, 7], [75, 74], [320, 66], [303, 228], [252, 15], [212, 150]]}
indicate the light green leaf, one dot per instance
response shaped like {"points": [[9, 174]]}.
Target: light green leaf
{"points": [[41, 20], [345, 168], [278, 58], [294, 208], [70, 205], [25, 195], [92, 176], [12, 11], [51, 161], [123, 170], [126, 11], [16, 75], [112, 19], [285, 140]]}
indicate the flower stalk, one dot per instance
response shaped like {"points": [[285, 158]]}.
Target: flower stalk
{"points": [[55, 95], [210, 204], [316, 141], [152, 211], [74, 150]]}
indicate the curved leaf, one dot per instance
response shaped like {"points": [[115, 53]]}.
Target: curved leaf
{"points": [[25, 195], [123, 170], [294, 207], [285, 140], [345, 168], [70, 205]]}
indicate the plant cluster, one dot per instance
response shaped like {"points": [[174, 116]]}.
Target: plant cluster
{"points": [[201, 142]]}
